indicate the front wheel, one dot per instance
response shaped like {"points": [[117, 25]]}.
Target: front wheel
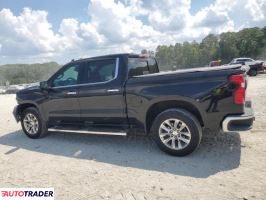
{"points": [[176, 132], [32, 123]]}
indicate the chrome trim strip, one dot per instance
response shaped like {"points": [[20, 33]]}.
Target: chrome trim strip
{"points": [[113, 90], [87, 132], [85, 84], [228, 119], [71, 93]]}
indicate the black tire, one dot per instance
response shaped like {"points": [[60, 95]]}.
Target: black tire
{"points": [[185, 117], [253, 72], [41, 130]]}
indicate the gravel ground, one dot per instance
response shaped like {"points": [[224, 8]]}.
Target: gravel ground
{"points": [[226, 166]]}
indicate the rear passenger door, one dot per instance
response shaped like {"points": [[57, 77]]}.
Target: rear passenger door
{"points": [[101, 97]]}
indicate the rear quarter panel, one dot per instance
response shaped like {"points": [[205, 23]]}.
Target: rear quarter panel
{"points": [[209, 92]]}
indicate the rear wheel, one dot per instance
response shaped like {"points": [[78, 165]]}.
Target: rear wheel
{"points": [[176, 132], [32, 123]]}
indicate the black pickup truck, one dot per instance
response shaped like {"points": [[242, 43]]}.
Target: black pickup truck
{"points": [[126, 94]]}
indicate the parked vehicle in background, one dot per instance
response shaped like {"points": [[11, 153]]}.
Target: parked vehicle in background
{"points": [[12, 89], [256, 66], [215, 63], [2, 90], [125, 94]]}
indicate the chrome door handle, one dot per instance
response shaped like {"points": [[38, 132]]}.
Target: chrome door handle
{"points": [[113, 90], [71, 93]]}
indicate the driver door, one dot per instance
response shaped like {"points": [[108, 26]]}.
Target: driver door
{"points": [[61, 105]]}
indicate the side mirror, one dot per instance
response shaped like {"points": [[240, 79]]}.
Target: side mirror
{"points": [[44, 85]]}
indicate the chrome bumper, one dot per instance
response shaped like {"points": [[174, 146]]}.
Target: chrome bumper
{"points": [[235, 123]]}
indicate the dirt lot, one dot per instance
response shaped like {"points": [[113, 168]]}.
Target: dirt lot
{"points": [[231, 166]]}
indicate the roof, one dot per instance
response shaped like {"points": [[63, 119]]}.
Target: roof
{"points": [[131, 55], [242, 58]]}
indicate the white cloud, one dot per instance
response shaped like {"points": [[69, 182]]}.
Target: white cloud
{"points": [[117, 21], [30, 36], [233, 15], [120, 26], [210, 17], [29, 33], [69, 29], [75, 35], [255, 10], [171, 15]]}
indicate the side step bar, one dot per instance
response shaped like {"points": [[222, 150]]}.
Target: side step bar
{"points": [[87, 132]]}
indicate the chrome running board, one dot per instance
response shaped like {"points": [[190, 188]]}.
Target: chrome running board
{"points": [[87, 132]]}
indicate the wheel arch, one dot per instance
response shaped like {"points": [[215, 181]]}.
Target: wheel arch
{"points": [[22, 107], [161, 106]]}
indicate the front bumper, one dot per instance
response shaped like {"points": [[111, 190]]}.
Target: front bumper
{"points": [[16, 114], [235, 123]]}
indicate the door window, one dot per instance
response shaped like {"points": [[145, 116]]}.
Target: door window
{"points": [[68, 76], [100, 71]]}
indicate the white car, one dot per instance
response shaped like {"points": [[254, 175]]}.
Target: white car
{"points": [[2, 91], [256, 66]]}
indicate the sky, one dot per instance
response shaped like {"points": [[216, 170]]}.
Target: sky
{"points": [[58, 30]]}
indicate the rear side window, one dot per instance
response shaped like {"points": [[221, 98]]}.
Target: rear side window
{"points": [[153, 67], [142, 66], [248, 60], [244, 60], [99, 71]]}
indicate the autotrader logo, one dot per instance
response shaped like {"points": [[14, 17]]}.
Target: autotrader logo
{"points": [[27, 193]]}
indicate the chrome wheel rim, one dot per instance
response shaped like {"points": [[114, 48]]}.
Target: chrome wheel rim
{"points": [[175, 134], [31, 123]]}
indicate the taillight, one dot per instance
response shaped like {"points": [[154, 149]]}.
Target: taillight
{"points": [[239, 94]]}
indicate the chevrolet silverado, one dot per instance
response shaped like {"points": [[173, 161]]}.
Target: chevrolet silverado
{"points": [[126, 94]]}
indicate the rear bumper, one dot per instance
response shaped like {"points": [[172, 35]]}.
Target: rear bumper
{"points": [[234, 123]]}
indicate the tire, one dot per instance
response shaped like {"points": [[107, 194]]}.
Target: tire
{"points": [[31, 117], [187, 128], [253, 72]]}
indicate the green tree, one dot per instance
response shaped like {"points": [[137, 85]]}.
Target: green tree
{"points": [[209, 48], [250, 41], [228, 47], [23, 73]]}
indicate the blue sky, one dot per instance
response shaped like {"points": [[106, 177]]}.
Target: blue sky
{"points": [[39, 31], [57, 9]]}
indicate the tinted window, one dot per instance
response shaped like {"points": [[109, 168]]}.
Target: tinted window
{"points": [[68, 76], [141, 66], [100, 71], [153, 67], [244, 60]]}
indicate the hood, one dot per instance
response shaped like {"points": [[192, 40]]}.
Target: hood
{"points": [[30, 89]]}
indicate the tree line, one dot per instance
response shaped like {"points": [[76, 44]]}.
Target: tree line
{"points": [[26, 73], [249, 42]]}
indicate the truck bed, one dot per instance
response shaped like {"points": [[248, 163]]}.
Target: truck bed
{"points": [[198, 69]]}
